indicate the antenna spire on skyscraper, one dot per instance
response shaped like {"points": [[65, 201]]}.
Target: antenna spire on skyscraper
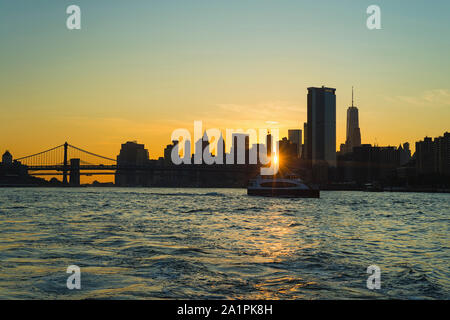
{"points": [[352, 97]]}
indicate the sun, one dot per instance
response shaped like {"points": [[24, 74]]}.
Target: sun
{"points": [[275, 159]]}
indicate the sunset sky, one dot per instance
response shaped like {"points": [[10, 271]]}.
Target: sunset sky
{"points": [[137, 70]]}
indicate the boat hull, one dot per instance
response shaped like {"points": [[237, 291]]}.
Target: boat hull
{"points": [[291, 193]]}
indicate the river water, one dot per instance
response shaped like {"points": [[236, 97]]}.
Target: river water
{"points": [[221, 244]]}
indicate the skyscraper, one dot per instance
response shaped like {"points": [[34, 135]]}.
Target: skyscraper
{"points": [[295, 136], [353, 132], [131, 154], [321, 128], [240, 148], [433, 157], [305, 142], [269, 145]]}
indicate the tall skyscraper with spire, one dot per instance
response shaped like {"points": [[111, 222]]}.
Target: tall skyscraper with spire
{"points": [[353, 131]]}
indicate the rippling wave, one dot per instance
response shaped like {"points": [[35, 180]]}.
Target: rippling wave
{"points": [[221, 244]]}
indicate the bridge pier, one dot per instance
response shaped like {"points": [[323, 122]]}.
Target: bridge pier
{"points": [[66, 145], [74, 172]]}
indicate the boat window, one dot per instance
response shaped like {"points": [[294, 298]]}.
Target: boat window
{"points": [[276, 184]]}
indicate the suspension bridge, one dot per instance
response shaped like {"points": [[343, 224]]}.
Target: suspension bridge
{"points": [[69, 161]]}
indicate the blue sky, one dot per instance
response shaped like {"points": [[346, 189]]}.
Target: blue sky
{"points": [[151, 66]]}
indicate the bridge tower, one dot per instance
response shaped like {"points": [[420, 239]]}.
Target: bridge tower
{"points": [[65, 166], [74, 172]]}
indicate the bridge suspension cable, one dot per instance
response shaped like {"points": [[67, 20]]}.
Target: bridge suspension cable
{"points": [[92, 154], [39, 153], [62, 154]]}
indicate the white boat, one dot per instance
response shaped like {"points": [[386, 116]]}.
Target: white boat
{"points": [[272, 186]]}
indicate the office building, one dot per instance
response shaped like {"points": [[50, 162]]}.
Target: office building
{"points": [[433, 157], [240, 148], [353, 138], [295, 137], [321, 127], [132, 156]]}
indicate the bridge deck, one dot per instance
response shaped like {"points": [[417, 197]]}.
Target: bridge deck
{"points": [[215, 168]]}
